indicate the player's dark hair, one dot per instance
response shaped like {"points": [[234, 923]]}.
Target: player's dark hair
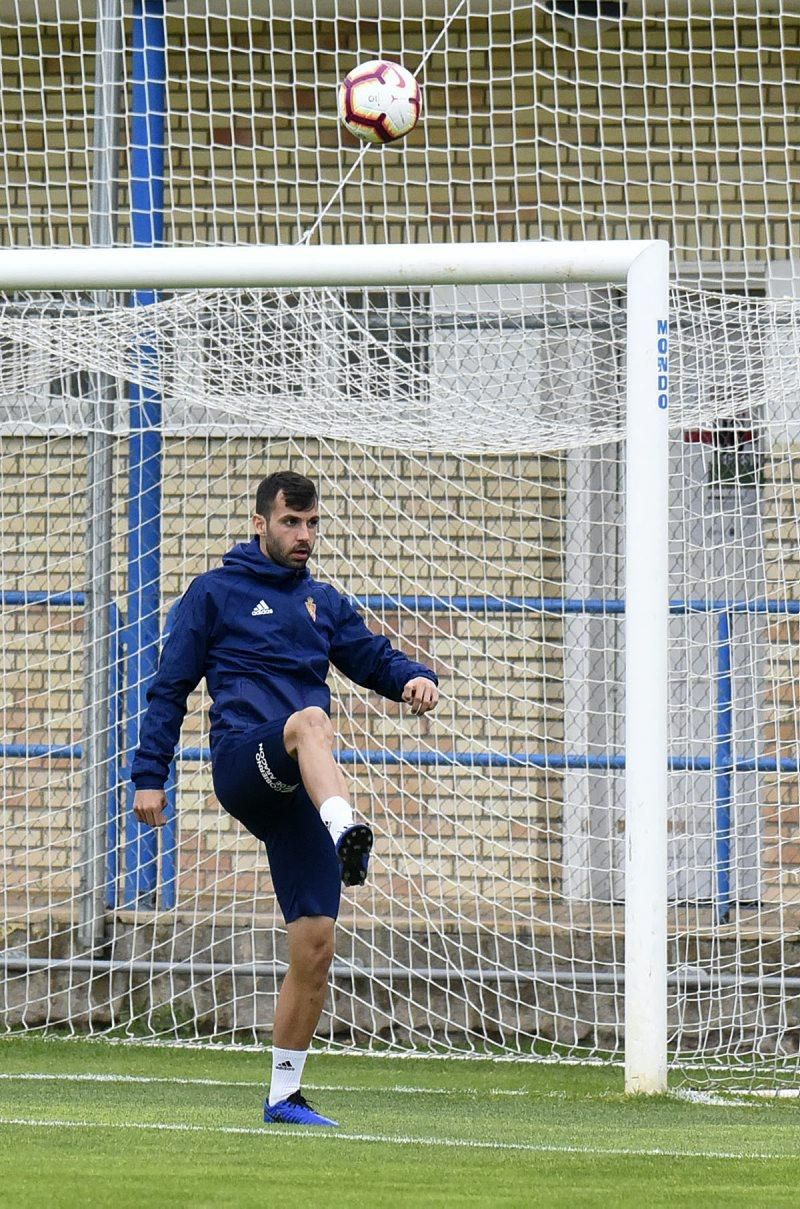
{"points": [[298, 491]]}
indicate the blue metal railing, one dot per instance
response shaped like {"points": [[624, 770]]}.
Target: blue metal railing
{"points": [[148, 143], [560, 605], [552, 760], [722, 762]]}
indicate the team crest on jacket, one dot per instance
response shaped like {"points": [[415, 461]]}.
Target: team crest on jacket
{"points": [[311, 605]]}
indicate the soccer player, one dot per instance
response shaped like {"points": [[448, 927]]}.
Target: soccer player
{"points": [[263, 633]]}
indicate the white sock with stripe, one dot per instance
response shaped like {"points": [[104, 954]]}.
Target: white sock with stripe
{"points": [[336, 814], [287, 1071]]}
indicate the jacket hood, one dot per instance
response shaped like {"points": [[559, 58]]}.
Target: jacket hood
{"points": [[247, 556]]}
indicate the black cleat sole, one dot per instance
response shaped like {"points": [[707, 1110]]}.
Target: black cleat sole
{"points": [[351, 851]]}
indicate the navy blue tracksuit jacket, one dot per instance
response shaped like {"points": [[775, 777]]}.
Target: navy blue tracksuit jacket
{"points": [[263, 636]]}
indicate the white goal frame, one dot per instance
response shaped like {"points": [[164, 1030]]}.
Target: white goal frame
{"points": [[642, 266]]}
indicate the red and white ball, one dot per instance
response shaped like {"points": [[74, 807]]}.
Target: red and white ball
{"points": [[380, 101]]}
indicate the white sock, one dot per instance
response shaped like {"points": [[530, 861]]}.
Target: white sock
{"points": [[287, 1071], [336, 814]]}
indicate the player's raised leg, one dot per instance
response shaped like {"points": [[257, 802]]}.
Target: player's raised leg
{"points": [[308, 737]]}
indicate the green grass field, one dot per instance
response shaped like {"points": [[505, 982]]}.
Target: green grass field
{"points": [[87, 1123]]}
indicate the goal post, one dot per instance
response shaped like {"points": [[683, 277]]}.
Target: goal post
{"points": [[642, 267], [646, 619]]}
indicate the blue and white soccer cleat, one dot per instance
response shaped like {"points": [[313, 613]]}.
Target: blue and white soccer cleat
{"points": [[353, 848], [294, 1110]]}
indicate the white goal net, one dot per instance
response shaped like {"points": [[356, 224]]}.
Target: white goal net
{"points": [[467, 443]]}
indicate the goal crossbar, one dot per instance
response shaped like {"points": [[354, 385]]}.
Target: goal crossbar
{"points": [[262, 267], [643, 266]]}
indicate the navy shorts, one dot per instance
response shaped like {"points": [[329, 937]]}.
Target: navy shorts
{"points": [[258, 782]]}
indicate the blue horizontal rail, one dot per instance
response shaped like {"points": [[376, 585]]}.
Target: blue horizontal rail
{"points": [[499, 759], [41, 751], [481, 604], [560, 606], [56, 599], [462, 759]]}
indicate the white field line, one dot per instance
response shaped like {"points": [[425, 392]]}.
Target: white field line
{"points": [[401, 1140], [32, 1076], [775, 1093], [388, 1055], [740, 1098], [711, 1099]]}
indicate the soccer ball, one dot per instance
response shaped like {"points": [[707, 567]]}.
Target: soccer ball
{"points": [[380, 101]]}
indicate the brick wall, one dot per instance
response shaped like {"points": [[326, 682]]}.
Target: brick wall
{"points": [[457, 834], [684, 129], [780, 811]]}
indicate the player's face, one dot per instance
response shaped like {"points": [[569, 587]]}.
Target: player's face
{"points": [[287, 535]]}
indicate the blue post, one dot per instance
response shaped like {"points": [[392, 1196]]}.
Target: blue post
{"points": [[148, 120], [723, 767], [169, 843], [115, 741], [169, 832]]}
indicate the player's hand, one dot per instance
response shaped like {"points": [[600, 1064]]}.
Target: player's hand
{"points": [[421, 694], [149, 806]]}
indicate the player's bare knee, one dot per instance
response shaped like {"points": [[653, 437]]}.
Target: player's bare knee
{"points": [[321, 942], [310, 726], [321, 958], [313, 956]]}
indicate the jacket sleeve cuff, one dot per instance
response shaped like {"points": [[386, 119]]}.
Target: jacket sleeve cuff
{"points": [[143, 781], [424, 673], [421, 673]]}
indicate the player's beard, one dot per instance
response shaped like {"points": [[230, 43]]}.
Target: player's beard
{"points": [[283, 558]]}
